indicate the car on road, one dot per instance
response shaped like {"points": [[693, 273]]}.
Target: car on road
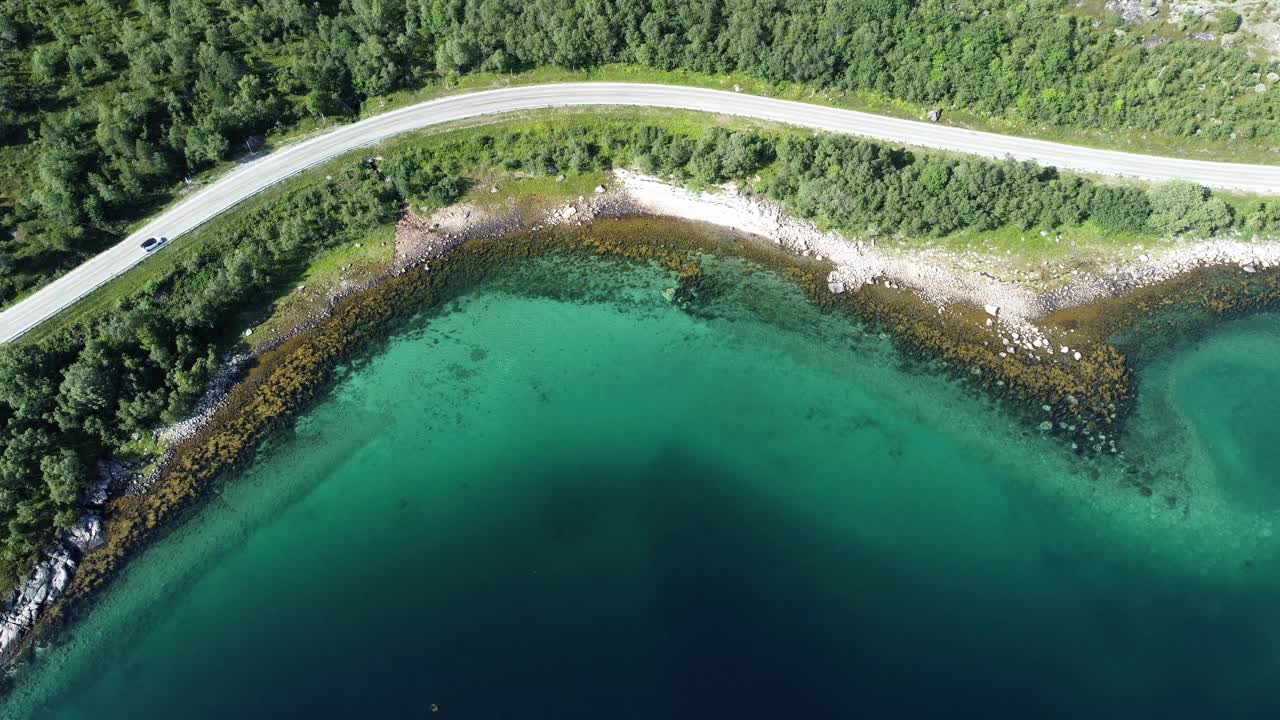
{"points": [[153, 244]]}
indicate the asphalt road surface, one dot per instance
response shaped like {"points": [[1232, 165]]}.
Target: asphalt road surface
{"points": [[255, 176]]}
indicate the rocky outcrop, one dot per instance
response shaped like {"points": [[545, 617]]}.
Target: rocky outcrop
{"points": [[86, 535], [48, 581], [1135, 11], [112, 478]]}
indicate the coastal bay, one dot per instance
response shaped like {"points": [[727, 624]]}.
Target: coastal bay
{"points": [[639, 360], [559, 491]]}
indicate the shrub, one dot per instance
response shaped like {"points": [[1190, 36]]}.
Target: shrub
{"points": [[1120, 209], [1228, 20], [1186, 208]]}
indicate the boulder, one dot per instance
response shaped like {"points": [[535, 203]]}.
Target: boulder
{"points": [[86, 535], [59, 579], [992, 310], [110, 474]]}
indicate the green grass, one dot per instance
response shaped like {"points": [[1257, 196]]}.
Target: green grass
{"points": [[298, 295], [371, 252], [1032, 247], [1042, 263], [529, 189]]}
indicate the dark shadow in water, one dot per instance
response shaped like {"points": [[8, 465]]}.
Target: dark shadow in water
{"points": [[672, 589], [765, 616]]}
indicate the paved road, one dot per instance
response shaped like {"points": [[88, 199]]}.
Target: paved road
{"points": [[255, 176]]}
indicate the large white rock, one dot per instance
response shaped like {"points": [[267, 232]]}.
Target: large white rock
{"points": [[86, 534]]}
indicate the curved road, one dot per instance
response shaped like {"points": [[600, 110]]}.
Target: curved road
{"points": [[255, 176]]}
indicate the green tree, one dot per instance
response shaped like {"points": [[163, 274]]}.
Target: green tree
{"points": [[26, 384], [64, 474], [1120, 209], [87, 392], [1266, 219], [65, 155]]}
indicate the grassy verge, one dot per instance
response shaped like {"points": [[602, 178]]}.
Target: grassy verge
{"points": [[165, 262], [1007, 248], [1032, 246], [298, 299], [868, 102], [1129, 141], [1143, 143]]}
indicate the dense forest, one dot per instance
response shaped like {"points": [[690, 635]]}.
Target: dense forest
{"points": [[72, 399], [105, 105]]}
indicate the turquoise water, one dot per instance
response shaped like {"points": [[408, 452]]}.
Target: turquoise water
{"points": [[564, 497]]}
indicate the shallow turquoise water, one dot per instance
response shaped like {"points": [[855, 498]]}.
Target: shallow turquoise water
{"points": [[566, 498]]}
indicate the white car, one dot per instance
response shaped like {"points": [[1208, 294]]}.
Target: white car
{"points": [[153, 244]]}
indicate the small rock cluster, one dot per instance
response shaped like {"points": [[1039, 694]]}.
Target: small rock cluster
{"points": [[1132, 11], [48, 581], [1152, 270]]}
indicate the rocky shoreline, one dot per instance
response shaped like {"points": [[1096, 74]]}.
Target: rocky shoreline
{"points": [[993, 332], [930, 273]]}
